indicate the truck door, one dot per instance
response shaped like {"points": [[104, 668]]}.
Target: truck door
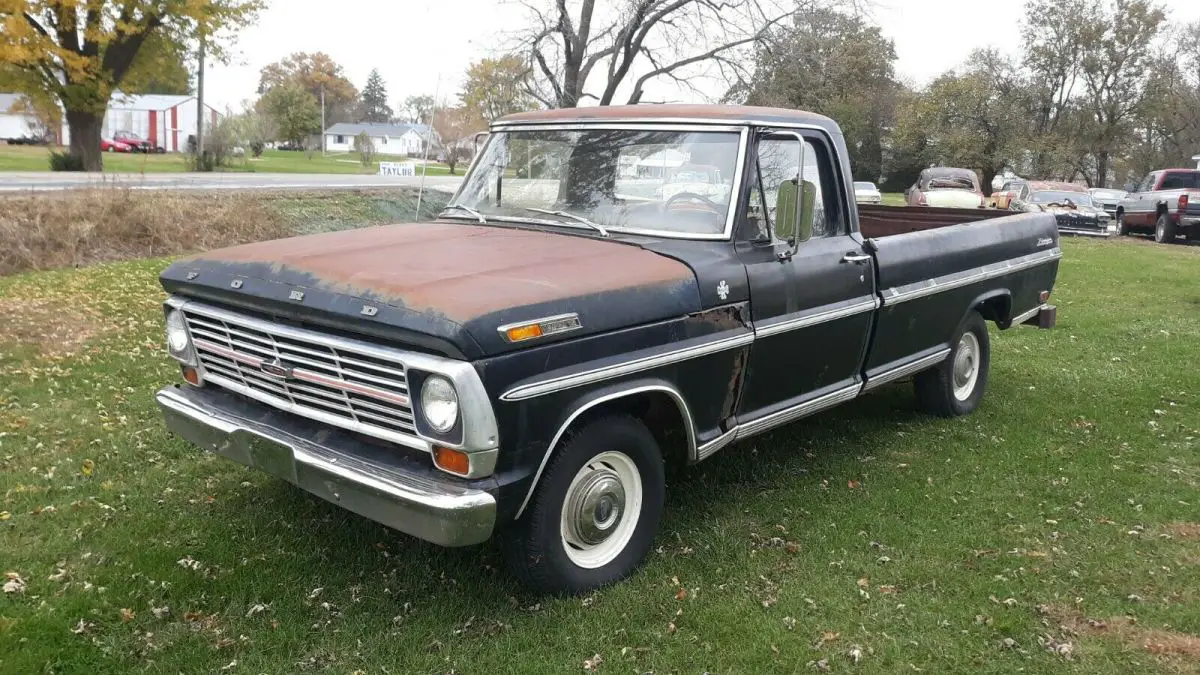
{"points": [[812, 310]]}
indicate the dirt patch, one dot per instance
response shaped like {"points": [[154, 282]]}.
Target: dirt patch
{"points": [[1184, 530], [53, 327], [1182, 648]]}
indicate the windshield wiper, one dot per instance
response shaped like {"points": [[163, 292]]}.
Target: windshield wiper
{"points": [[478, 215], [566, 214]]}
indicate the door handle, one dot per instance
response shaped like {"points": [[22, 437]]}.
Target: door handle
{"points": [[856, 258]]}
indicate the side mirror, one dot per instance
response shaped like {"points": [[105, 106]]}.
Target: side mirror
{"points": [[794, 212]]}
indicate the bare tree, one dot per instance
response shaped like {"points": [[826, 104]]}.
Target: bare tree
{"points": [[624, 49]]}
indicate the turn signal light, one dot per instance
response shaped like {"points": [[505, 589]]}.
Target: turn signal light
{"points": [[527, 332], [1183, 202], [451, 461], [191, 375]]}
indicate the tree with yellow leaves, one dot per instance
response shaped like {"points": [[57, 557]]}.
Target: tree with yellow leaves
{"points": [[79, 52]]}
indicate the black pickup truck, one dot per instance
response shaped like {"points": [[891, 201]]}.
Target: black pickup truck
{"points": [[612, 289]]}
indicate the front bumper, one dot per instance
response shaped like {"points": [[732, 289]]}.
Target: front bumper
{"points": [[369, 481]]}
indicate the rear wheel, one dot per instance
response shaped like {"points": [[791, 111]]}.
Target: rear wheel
{"points": [[593, 518], [1164, 230], [955, 386]]}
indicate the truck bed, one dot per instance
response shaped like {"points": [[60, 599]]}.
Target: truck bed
{"points": [[875, 220]]}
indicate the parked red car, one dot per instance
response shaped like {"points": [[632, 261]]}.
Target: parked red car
{"points": [[136, 143], [107, 145]]}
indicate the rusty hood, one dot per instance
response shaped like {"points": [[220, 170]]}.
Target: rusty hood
{"points": [[451, 282]]}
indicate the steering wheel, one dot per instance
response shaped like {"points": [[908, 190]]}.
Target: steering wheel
{"points": [[713, 206]]}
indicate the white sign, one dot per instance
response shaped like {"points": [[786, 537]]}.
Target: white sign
{"points": [[397, 168]]}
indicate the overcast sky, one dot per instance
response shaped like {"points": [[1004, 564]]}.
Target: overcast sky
{"points": [[420, 46]]}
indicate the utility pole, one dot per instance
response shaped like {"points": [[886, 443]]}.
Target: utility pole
{"points": [[200, 102], [322, 119]]}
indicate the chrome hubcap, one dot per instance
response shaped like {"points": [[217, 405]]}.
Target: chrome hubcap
{"points": [[600, 510], [966, 366], [595, 508]]}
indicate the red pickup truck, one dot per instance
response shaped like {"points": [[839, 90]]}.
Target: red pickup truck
{"points": [[1166, 202]]}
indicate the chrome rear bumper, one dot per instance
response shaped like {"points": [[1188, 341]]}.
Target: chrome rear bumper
{"points": [[341, 472]]}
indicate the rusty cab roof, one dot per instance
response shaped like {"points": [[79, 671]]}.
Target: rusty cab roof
{"points": [[671, 112]]}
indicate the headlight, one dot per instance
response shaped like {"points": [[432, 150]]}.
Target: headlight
{"points": [[178, 341], [439, 403]]}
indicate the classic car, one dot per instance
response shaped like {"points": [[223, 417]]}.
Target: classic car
{"points": [[526, 365], [866, 193], [1166, 203], [1002, 198], [1107, 199], [1071, 205], [113, 145], [946, 187]]}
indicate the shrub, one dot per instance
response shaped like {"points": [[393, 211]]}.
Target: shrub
{"points": [[365, 147], [257, 147], [65, 161]]}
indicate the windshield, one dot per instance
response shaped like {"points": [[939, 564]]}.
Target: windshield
{"points": [[860, 185], [673, 182], [1061, 197], [1108, 194]]}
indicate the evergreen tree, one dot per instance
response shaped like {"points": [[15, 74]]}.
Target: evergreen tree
{"points": [[374, 106]]}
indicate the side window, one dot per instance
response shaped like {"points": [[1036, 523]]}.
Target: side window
{"points": [[774, 193], [1174, 181], [1148, 184]]}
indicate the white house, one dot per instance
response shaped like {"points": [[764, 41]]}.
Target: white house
{"points": [[165, 120], [16, 122], [389, 139]]}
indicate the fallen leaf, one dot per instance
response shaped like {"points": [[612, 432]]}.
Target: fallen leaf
{"points": [[13, 583], [681, 594], [258, 607], [88, 467], [5, 515], [887, 590], [864, 582], [83, 627], [593, 663], [160, 612], [853, 484], [126, 614], [60, 575], [855, 654]]}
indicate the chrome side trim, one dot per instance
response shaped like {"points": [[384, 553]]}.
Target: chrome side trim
{"points": [[921, 289], [803, 409], [522, 392], [906, 369], [1025, 316], [772, 328], [562, 430], [705, 451]]}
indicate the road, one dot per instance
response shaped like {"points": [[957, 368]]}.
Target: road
{"points": [[41, 181]]}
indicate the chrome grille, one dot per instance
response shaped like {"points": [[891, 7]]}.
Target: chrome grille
{"points": [[346, 383]]}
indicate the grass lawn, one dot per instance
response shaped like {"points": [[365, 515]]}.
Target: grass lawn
{"points": [[1058, 528], [894, 199], [27, 158]]}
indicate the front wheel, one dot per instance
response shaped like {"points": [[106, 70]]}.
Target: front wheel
{"points": [[1122, 226], [593, 518], [955, 386]]}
